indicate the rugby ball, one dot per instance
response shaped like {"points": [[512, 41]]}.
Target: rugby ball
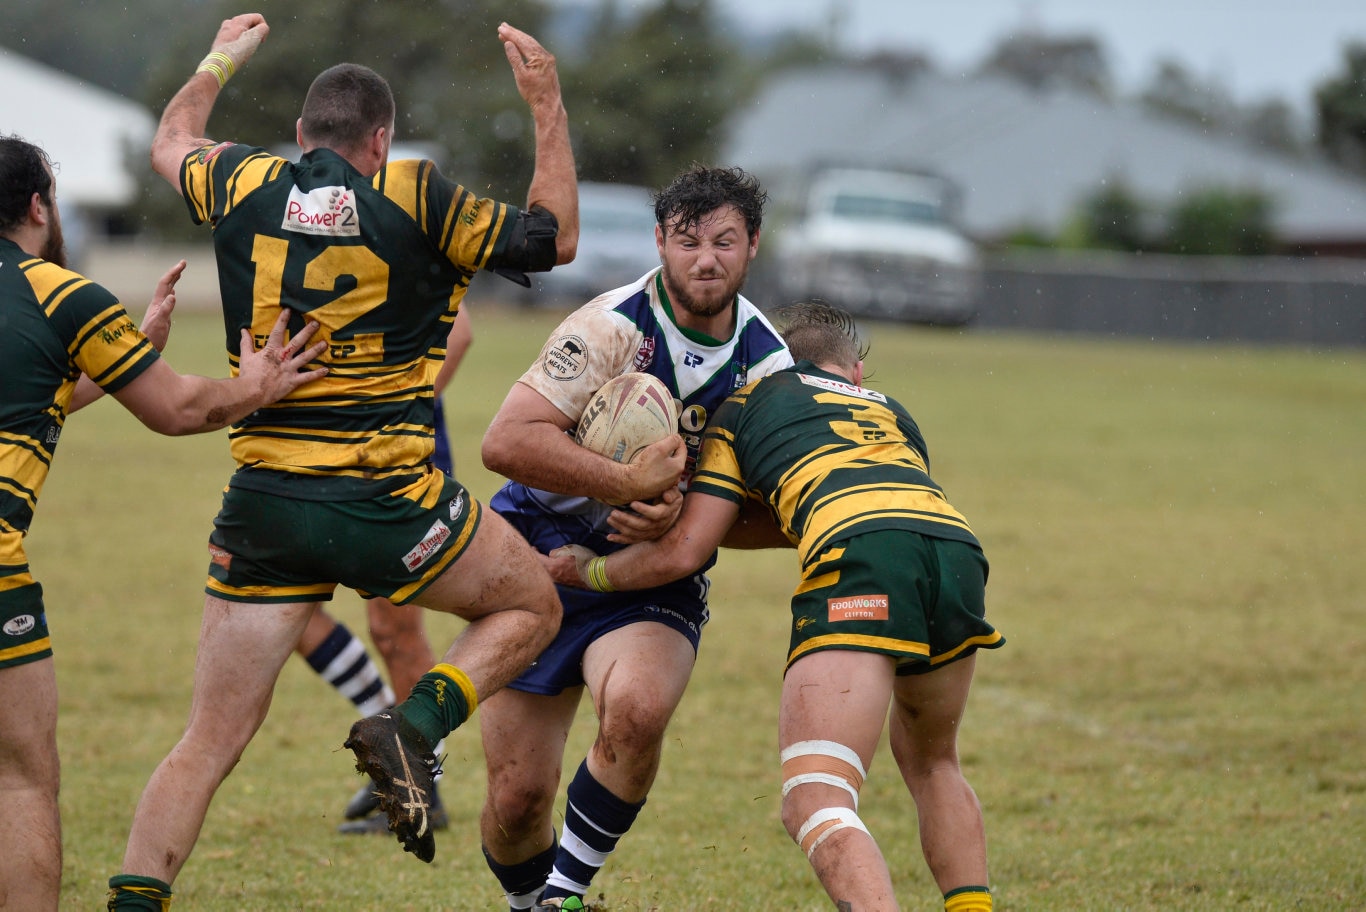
{"points": [[627, 414]]}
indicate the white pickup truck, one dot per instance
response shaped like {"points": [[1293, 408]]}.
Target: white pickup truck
{"points": [[879, 243]]}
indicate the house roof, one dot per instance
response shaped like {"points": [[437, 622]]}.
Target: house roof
{"points": [[91, 134], [1026, 157]]}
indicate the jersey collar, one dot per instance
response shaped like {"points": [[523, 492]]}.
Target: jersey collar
{"points": [[700, 338]]}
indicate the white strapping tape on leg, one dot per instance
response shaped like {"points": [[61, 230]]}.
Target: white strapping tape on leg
{"points": [[824, 823], [802, 773]]}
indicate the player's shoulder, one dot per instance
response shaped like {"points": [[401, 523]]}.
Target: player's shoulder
{"points": [[227, 155], [62, 286], [608, 316]]}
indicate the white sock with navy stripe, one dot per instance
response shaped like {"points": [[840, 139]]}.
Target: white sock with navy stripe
{"points": [[343, 662], [594, 821]]}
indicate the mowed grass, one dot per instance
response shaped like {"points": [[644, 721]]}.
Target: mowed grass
{"points": [[1177, 536]]}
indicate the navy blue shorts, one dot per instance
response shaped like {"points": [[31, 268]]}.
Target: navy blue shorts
{"points": [[589, 615]]}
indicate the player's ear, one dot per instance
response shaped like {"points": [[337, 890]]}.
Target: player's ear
{"points": [[37, 209], [858, 373]]}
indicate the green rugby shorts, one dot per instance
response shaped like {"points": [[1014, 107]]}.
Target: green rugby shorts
{"points": [[269, 548], [23, 621], [919, 599]]}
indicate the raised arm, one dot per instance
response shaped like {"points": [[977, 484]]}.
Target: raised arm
{"points": [[186, 117], [554, 184], [175, 404]]}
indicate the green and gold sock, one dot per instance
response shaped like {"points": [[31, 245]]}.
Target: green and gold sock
{"points": [[440, 703], [968, 899], [135, 892]]}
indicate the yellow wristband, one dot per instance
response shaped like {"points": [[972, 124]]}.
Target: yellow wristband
{"points": [[595, 575], [220, 65]]}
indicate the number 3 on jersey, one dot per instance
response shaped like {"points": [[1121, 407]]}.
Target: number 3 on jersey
{"points": [[362, 265]]}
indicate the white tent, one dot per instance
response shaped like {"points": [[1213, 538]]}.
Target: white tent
{"points": [[91, 134]]}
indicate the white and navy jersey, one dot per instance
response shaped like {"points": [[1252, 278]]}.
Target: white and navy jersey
{"points": [[624, 330]]}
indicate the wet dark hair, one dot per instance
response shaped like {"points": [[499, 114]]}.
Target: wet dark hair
{"points": [[345, 105], [700, 191], [23, 172], [821, 333]]}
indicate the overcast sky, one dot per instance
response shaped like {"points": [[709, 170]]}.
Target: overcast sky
{"points": [[1254, 48]]}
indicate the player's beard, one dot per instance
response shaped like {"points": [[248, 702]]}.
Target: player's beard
{"points": [[54, 245], [710, 304]]}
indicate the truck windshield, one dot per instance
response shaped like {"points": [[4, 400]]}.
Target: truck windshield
{"points": [[883, 208]]}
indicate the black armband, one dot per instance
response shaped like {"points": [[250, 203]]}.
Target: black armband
{"points": [[531, 246]]}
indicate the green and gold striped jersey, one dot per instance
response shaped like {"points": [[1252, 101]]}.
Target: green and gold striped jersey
{"points": [[54, 326], [830, 459], [381, 264]]}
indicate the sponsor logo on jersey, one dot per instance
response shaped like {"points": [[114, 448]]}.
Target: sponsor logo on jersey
{"points": [[645, 355], [691, 359], [840, 386], [208, 153], [18, 626], [457, 507], [566, 358], [858, 608], [741, 375], [429, 545], [53, 433], [327, 211], [111, 334], [220, 557]]}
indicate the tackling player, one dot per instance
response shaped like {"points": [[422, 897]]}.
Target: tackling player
{"points": [[890, 609]]}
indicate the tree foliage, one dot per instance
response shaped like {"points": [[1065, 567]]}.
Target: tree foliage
{"points": [[651, 95], [1222, 221], [1110, 219], [106, 44], [1213, 220], [1340, 104], [1042, 61]]}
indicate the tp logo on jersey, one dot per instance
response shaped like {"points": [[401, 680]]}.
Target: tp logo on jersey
{"points": [[691, 359]]}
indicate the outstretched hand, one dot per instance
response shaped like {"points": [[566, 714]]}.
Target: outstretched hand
{"points": [[278, 368], [156, 322], [532, 66], [240, 36]]}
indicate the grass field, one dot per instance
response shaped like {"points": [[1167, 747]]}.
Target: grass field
{"points": [[1178, 545]]}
